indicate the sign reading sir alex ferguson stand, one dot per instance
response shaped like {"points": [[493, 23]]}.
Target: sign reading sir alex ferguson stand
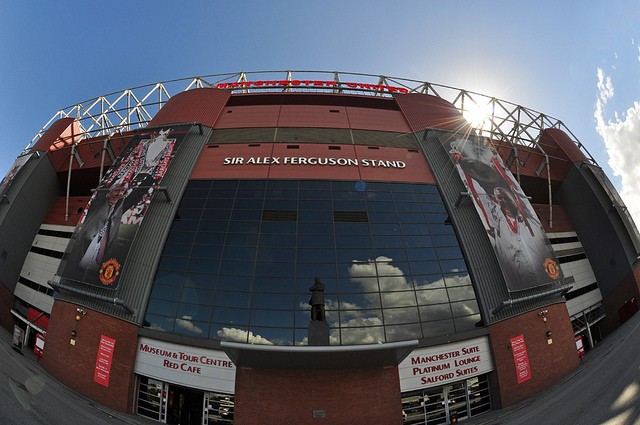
{"points": [[101, 241]]}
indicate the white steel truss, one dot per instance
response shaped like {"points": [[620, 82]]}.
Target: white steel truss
{"points": [[133, 108]]}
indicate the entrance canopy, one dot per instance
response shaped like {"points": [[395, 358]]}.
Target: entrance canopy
{"points": [[318, 357]]}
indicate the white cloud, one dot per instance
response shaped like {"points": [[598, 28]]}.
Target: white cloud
{"points": [[622, 141], [240, 335], [185, 323]]}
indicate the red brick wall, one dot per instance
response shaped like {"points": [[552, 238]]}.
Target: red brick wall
{"points": [[549, 363], [356, 396], [74, 365]]}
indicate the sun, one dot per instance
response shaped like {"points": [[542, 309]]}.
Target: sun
{"points": [[477, 114]]}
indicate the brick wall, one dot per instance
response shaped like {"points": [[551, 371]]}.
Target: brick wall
{"points": [[356, 396], [74, 365], [549, 363]]}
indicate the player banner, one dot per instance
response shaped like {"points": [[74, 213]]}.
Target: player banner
{"points": [[521, 245], [100, 244], [5, 184]]}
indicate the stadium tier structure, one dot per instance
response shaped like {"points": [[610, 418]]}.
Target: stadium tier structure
{"points": [[310, 247]]}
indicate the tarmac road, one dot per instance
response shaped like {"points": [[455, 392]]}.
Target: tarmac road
{"points": [[604, 390], [28, 395]]}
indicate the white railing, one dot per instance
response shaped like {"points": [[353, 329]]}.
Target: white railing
{"points": [[133, 108]]}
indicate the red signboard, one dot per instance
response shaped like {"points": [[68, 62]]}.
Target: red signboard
{"points": [[38, 346], [521, 358], [103, 361]]}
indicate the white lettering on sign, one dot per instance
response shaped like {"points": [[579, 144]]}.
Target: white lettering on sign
{"points": [[303, 160], [433, 366]]}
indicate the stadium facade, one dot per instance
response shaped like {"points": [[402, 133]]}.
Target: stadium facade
{"points": [[309, 247]]}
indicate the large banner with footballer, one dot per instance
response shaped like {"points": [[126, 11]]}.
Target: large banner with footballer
{"points": [[100, 244], [521, 245], [6, 182]]}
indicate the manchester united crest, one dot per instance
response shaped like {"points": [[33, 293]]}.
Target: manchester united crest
{"points": [[552, 269], [109, 271]]}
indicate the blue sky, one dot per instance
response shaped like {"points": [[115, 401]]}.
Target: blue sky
{"points": [[576, 61]]}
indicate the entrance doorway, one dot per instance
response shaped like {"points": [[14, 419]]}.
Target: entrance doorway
{"points": [[447, 404], [184, 406]]}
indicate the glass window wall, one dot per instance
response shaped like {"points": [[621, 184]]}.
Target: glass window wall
{"points": [[242, 254]]}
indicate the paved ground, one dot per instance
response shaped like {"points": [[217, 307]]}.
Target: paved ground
{"points": [[604, 390]]}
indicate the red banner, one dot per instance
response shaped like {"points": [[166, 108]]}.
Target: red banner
{"points": [[103, 360], [521, 358]]}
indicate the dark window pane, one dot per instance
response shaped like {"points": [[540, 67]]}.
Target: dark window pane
{"points": [[317, 241], [453, 266], [237, 268], [230, 316], [312, 270], [249, 227], [160, 323], [241, 253], [176, 250], [385, 229], [202, 265], [281, 285], [234, 283], [418, 241], [351, 255], [422, 254], [275, 269], [162, 307], [315, 228], [448, 253], [194, 312], [242, 239], [206, 251], [197, 296], [181, 237], [210, 238], [327, 255], [399, 254], [173, 263], [199, 280], [272, 318], [165, 292], [425, 267], [415, 229], [445, 240], [382, 217], [288, 240], [168, 277], [232, 299], [315, 205], [352, 228], [272, 301], [276, 254]]}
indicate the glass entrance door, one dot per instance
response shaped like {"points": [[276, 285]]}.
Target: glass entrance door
{"points": [[456, 403], [447, 404]]}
